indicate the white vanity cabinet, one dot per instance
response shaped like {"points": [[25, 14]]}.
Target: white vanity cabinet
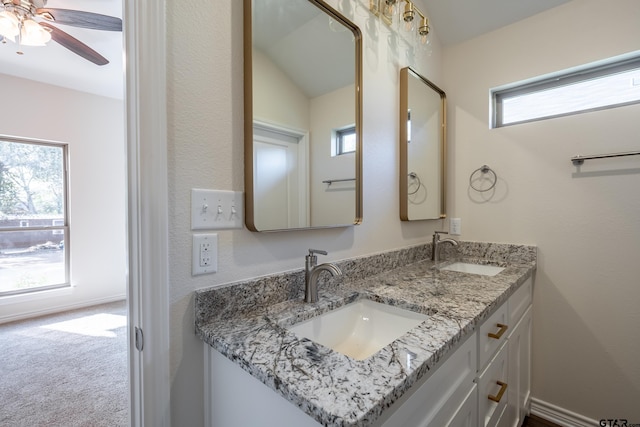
{"points": [[504, 361], [447, 397], [484, 382]]}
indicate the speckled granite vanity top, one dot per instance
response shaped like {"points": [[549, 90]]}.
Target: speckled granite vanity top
{"points": [[246, 322]]}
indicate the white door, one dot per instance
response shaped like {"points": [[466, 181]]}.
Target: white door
{"points": [[279, 181]]}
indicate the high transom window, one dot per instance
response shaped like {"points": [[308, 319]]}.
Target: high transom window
{"points": [[33, 216], [590, 88], [346, 140]]}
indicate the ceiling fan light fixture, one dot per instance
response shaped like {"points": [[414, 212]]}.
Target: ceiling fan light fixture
{"points": [[9, 25], [26, 22], [33, 34]]}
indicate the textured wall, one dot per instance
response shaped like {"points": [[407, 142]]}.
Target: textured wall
{"points": [[205, 91], [586, 225]]}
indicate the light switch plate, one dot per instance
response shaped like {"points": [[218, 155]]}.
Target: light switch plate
{"points": [[205, 254], [216, 209]]}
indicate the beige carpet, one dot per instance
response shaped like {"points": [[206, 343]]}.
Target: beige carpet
{"points": [[65, 370]]}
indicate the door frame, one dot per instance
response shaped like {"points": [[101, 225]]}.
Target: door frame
{"points": [[304, 189], [147, 210]]}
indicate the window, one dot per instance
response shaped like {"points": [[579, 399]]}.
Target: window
{"points": [[33, 216], [346, 140], [591, 88]]}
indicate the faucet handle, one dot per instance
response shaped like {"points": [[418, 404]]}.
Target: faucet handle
{"points": [[312, 260], [317, 251], [436, 235]]}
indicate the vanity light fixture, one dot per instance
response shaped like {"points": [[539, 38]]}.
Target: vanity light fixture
{"points": [[408, 15], [387, 9]]}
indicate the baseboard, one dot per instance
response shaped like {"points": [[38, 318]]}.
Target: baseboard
{"points": [[59, 309], [558, 415]]}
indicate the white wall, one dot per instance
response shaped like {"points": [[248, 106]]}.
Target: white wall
{"points": [[93, 126], [270, 87], [335, 203], [205, 125], [586, 225]]}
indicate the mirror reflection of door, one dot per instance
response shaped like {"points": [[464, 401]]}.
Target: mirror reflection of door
{"points": [[280, 178]]}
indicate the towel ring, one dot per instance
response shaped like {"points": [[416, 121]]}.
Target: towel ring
{"points": [[484, 169], [415, 176]]}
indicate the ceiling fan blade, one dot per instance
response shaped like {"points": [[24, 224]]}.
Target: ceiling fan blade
{"points": [[79, 18], [75, 45]]}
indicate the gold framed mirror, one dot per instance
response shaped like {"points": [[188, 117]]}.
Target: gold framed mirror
{"points": [[423, 148], [303, 116]]}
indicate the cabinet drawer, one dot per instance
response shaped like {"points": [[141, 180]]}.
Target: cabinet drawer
{"points": [[492, 389], [520, 301], [491, 335]]}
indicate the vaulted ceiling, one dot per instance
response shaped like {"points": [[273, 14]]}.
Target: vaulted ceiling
{"points": [[453, 20]]}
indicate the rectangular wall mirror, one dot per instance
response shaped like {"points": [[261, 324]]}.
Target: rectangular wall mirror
{"points": [[422, 148], [303, 132]]}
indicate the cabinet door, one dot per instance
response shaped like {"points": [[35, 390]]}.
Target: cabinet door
{"points": [[519, 370], [235, 398], [467, 414]]}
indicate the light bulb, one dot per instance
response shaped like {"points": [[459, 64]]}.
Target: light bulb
{"points": [[33, 34], [408, 16], [423, 30], [9, 28], [389, 8]]}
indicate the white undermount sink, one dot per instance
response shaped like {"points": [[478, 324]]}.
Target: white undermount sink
{"points": [[465, 267], [359, 329]]}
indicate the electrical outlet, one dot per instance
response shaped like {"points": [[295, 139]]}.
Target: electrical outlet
{"points": [[205, 254], [455, 226]]}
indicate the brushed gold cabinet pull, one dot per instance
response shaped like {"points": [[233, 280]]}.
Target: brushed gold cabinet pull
{"points": [[503, 329], [503, 388]]}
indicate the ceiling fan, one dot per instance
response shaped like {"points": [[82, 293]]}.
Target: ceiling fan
{"points": [[28, 22]]}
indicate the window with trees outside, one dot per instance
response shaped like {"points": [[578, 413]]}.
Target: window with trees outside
{"points": [[33, 216]]}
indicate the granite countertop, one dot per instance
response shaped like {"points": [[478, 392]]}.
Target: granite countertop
{"points": [[333, 388]]}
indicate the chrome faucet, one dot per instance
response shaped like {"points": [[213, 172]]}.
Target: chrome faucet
{"points": [[435, 247], [312, 271]]}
